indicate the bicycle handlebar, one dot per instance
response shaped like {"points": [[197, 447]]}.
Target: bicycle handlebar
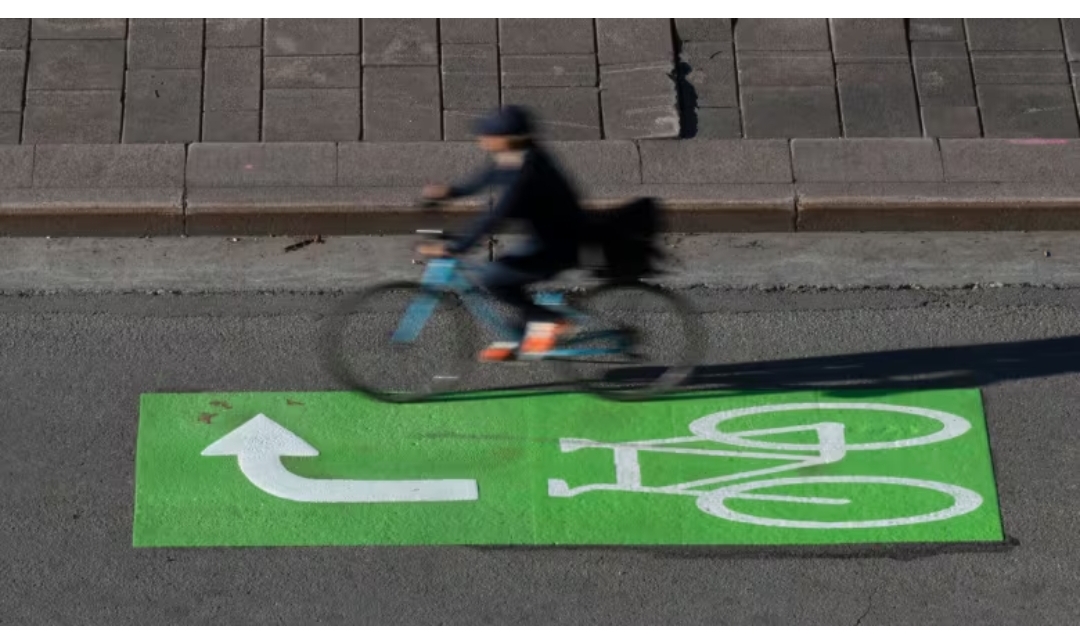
{"points": [[428, 204]]}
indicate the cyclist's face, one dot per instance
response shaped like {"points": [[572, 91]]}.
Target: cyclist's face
{"points": [[494, 143]]}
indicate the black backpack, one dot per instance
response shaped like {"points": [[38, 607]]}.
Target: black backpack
{"points": [[626, 238]]}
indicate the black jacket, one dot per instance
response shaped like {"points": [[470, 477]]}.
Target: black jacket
{"points": [[537, 193]]}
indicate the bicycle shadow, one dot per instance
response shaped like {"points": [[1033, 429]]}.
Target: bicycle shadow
{"points": [[890, 371]]}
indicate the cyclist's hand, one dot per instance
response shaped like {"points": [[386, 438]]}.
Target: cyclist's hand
{"points": [[432, 249], [436, 192]]}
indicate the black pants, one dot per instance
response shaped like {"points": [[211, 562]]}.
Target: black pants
{"points": [[507, 278]]}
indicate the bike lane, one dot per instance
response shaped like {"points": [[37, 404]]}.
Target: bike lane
{"points": [[792, 468]]}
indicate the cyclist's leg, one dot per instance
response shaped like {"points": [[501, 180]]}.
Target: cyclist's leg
{"points": [[508, 282]]}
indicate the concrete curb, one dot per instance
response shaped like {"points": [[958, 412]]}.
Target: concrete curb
{"points": [[704, 186]]}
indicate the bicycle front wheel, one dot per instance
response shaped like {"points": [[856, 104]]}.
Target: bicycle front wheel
{"points": [[398, 342], [635, 341]]}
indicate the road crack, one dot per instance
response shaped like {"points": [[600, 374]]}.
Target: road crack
{"points": [[869, 605]]}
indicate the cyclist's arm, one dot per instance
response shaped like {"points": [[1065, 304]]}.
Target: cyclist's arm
{"points": [[481, 179], [484, 224]]}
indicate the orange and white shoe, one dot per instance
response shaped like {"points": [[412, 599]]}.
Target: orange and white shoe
{"points": [[541, 337], [499, 351]]}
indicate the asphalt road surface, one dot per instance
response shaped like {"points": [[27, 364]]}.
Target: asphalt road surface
{"points": [[75, 365]]}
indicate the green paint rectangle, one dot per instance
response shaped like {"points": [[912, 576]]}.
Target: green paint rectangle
{"points": [[793, 468]]}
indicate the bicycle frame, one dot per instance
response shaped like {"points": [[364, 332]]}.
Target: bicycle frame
{"points": [[451, 275]]}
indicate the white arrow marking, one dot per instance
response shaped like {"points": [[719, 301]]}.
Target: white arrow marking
{"points": [[260, 443]]}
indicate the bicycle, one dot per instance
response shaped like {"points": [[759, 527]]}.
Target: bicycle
{"points": [[439, 314], [831, 447]]}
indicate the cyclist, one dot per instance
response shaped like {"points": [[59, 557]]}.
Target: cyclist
{"points": [[534, 191]]}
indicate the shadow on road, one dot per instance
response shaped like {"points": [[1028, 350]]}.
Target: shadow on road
{"points": [[967, 366], [914, 369]]}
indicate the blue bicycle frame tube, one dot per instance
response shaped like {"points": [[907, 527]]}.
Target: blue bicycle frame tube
{"points": [[444, 274]]}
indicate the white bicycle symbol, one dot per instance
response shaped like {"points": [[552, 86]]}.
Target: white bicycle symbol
{"points": [[829, 449]]}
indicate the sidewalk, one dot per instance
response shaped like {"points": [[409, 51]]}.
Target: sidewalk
{"points": [[114, 127]]}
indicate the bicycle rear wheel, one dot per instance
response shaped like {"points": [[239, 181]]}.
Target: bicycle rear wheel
{"points": [[635, 342], [360, 349]]}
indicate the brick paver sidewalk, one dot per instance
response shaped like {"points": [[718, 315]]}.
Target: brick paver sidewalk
{"points": [[189, 80], [115, 126]]}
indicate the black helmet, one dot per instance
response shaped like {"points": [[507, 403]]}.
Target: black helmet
{"points": [[509, 121]]}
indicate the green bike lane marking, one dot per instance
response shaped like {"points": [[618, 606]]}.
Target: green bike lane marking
{"points": [[792, 468]]}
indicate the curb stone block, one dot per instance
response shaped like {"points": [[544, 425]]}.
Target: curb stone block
{"points": [[1019, 68], [405, 164], [161, 44], [545, 36], [458, 125], [957, 122], [639, 101], [311, 115], [878, 100], [782, 34], [10, 127], [709, 79], [634, 40], [136, 166], [234, 32], [468, 30], [76, 65], [947, 29], [789, 111], [470, 77], [565, 114], [1014, 34], [231, 126], [866, 160], [12, 80], [311, 36], [715, 162], [869, 40], [261, 165], [1070, 28], [400, 42], [1011, 161], [13, 33], [72, 116], [162, 106], [16, 166], [232, 79], [704, 29], [1012, 111], [599, 162], [326, 210], [548, 71], [786, 68], [401, 104], [315, 71], [78, 28], [713, 123], [944, 81], [937, 207], [91, 212]]}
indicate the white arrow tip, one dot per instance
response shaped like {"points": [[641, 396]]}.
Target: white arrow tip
{"points": [[260, 435]]}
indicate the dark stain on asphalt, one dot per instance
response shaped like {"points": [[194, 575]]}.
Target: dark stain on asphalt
{"points": [[207, 417], [221, 404]]}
